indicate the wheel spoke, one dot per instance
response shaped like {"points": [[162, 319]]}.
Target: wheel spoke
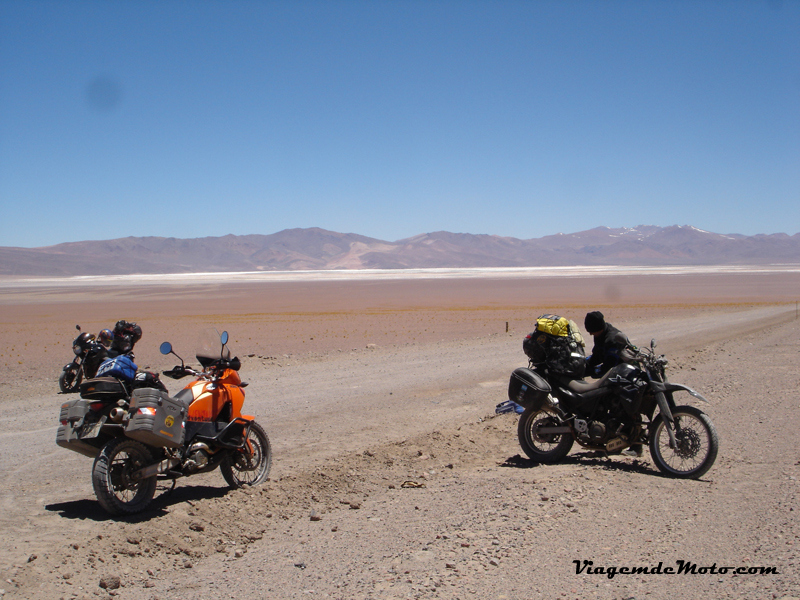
{"points": [[116, 491], [547, 447], [695, 448], [250, 465]]}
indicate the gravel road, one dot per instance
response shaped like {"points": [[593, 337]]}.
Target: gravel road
{"points": [[393, 478]]}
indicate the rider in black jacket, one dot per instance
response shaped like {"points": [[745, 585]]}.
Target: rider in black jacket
{"points": [[609, 343]]}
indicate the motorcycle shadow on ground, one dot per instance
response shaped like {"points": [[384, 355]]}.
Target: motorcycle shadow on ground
{"points": [[588, 458], [89, 508]]}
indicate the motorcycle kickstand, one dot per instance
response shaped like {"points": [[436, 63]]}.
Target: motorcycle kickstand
{"points": [[603, 454], [172, 489]]}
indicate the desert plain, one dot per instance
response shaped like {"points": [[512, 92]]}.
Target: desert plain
{"points": [[366, 383]]}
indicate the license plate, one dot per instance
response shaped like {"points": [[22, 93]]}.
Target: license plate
{"points": [[91, 430]]}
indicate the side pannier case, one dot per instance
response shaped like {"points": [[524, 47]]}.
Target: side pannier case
{"points": [[71, 420], [156, 419], [527, 388]]}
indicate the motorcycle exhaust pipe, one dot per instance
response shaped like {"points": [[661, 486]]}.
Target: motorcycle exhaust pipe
{"points": [[200, 446], [156, 469], [116, 415]]}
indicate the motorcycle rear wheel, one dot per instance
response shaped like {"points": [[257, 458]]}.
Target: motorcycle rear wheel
{"points": [[69, 380], [116, 491], [698, 444], [251, 465], [547, 448]]}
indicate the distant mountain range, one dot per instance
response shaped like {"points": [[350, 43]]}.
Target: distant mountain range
{"points": [[305, 249]]}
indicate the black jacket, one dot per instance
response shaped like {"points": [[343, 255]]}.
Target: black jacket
{"points": [[608, 345]]}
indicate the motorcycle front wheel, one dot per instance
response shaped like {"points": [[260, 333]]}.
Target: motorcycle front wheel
{"points": [[544, 448], [112, 477], [697, 444], [70, 379], [251, 464]]}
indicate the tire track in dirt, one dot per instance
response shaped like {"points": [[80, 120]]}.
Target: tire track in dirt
{"points": [[487, 521]]}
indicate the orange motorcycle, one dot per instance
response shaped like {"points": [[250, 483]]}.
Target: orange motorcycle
{"points": [[149, 435]]}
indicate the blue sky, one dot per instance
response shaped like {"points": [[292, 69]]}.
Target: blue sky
{"points": [[391, 119]]}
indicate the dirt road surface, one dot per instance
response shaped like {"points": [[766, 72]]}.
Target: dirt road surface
{"points": [[398, 385]]}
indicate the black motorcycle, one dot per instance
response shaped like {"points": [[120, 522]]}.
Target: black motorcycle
{"points": [[89, 354], [631, 405]]}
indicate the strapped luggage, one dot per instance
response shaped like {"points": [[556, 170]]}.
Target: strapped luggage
{"points": [[121, 367], [557, 343]]}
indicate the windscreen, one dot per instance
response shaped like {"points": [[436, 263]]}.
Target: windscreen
{"points": [[209, 347]]}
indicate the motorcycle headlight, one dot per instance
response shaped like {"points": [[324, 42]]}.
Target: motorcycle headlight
{"points": [[77, 350]]}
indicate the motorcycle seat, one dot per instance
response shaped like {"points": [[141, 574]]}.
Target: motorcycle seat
{"points": [[184, 398], [581, 386]]}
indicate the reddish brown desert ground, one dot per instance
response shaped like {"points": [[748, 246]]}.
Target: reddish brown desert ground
{"points": [[366, 384]]}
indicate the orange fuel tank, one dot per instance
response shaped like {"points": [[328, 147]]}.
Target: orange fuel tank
{"points": [[208, 398]]}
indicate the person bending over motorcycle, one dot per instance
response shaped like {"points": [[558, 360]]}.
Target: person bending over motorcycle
{"points": [[610, 347]]}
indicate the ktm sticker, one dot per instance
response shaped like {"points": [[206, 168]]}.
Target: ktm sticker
{"points": [[169, 421]]}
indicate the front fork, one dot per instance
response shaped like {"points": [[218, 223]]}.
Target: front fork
{"points": [[665, 412], [78, 366]]}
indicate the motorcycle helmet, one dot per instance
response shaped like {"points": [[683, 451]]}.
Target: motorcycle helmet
{"points": [[105, 337]]}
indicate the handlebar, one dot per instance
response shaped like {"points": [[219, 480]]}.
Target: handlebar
{"points": [[648, 356], [179, 371]]}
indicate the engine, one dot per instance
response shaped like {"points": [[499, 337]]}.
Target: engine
{"points": [[197, 458], [597, 432]]}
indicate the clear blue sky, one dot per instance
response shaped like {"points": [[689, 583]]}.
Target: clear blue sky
{"points": [[390, 119]]}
